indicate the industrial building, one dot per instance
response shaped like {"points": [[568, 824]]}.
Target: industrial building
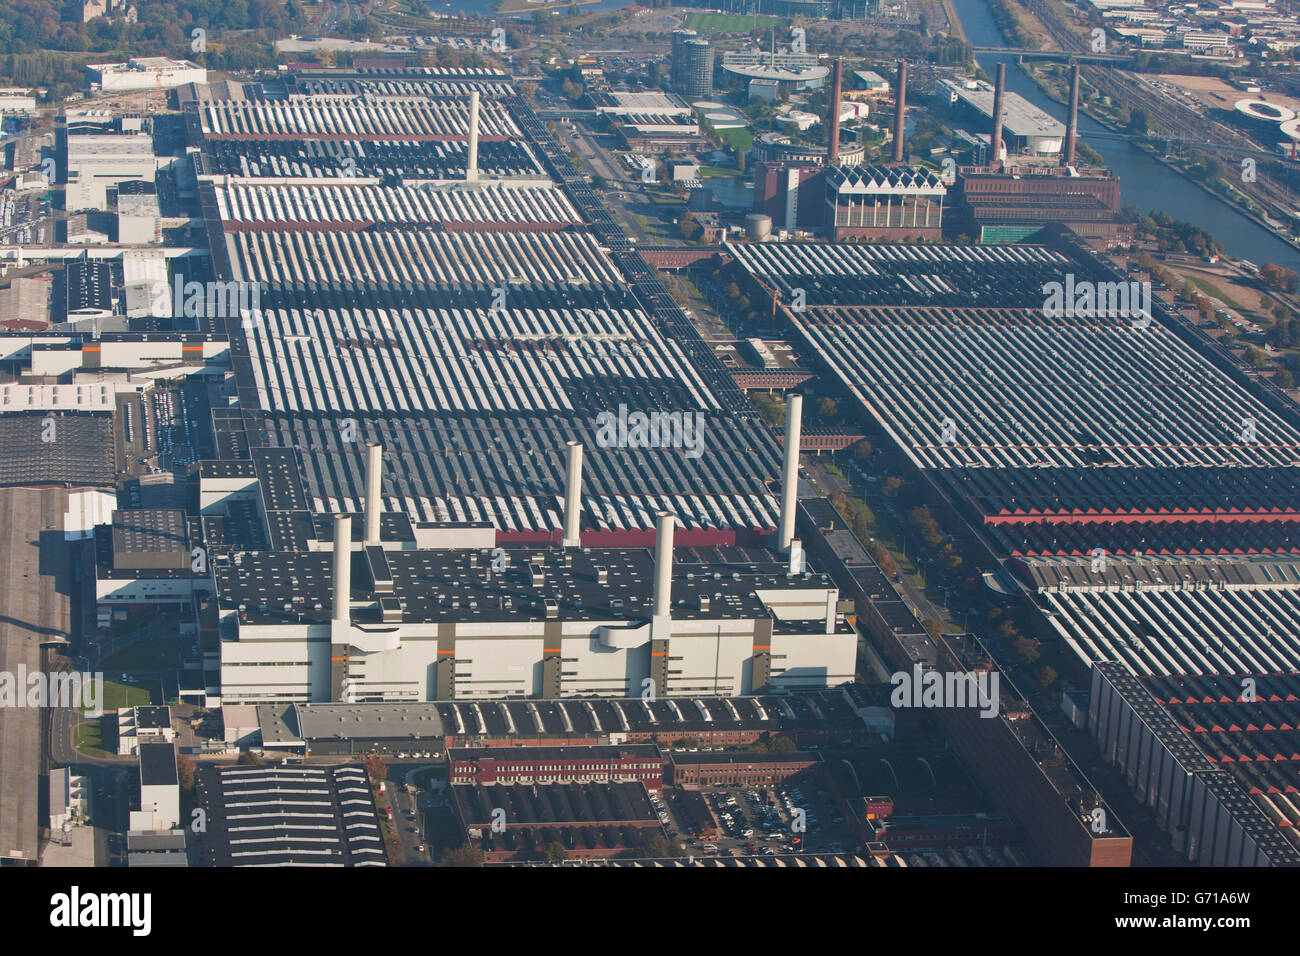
{"points": [[1013, 203], [517, 822], [1152, 522], [641, 763], [397, 730], [145, 73], [160, 794], [1026, 128], [999, 203], [436, 358], [884, 202], [553, 623], [1208, 756], [290, 816]]}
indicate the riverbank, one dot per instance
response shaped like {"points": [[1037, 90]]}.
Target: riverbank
{"points": [[523, 6], [1049, 90]]}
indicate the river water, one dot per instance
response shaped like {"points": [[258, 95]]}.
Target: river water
{"points": [[1143, 181]]}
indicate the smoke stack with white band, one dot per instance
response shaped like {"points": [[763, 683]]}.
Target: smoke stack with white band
{"points": [[790, 473], [374, 503], [342, 568], [664, 565], [995, 146], [1072, 128], [900, 108], [573, 497]]}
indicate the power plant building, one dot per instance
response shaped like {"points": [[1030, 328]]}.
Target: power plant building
{"points": [[884, 202]]}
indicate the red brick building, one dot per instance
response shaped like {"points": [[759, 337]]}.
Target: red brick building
{"points": [[532, 765], [740, 768]]}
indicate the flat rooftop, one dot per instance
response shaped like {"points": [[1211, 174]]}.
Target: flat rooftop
{"points": [[461, 586], [36, 579]]}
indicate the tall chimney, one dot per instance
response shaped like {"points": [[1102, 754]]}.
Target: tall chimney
{"points": [[374, 503], [900, 108], [833, 147], [790, 473], [664, 564], [471, 164], [342, 568], [1072, 127], [995, 147], [573, 496]]}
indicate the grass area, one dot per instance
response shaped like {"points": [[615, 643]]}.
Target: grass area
{"points": [[719, 171], [129, 695], [88, 739], [149, 654], [652, 227], [731, 23], [1216, 292], [739, 138]]}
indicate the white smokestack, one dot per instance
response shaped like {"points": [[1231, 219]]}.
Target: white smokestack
{"points": [[471, 166], [573, 496], [374, 503], [790, 473], [664, 565], [342, 568]]}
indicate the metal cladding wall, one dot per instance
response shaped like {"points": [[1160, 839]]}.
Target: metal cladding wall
{"points": [[1210, 816]]}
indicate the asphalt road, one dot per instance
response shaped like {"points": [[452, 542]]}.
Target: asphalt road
{"points": [[408, 818]]}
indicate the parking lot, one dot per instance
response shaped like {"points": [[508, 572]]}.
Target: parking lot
{"points": [[798, 817]]}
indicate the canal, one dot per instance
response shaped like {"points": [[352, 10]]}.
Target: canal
{"points": [[1144, 182]]}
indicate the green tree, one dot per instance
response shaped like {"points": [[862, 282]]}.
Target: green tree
{"points": [[185, 772], [555, 852], [828, 409], [462, 856], [249, 759], [780, 744]]}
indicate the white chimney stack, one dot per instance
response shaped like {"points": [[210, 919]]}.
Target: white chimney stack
{"points": [[573, 497], [790, 473], [374, 503], [664, 565], [471, 165], [342, 568]]}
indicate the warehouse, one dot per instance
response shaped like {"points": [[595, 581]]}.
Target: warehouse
{"points": [[807, 717], [1226, 796], [290, 816]]}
